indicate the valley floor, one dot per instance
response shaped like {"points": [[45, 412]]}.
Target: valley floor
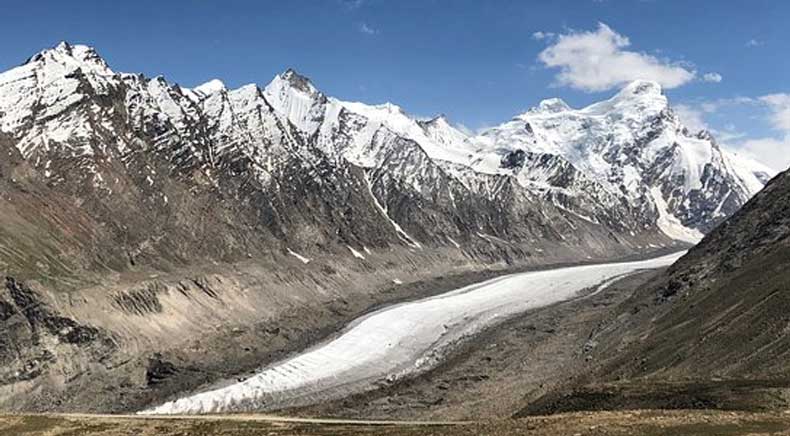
{"points": [[207, 328], [501, 370], [642, 422], [529, 366], [395, 342]]}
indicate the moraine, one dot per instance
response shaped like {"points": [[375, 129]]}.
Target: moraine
{"points": [[401, 340]]}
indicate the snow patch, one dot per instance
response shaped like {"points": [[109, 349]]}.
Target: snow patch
{"points": [[298, 256], [356, 253], [401, 233], [669, 224]]}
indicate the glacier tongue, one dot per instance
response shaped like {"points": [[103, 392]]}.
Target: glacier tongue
{"points": [[400, 340]]}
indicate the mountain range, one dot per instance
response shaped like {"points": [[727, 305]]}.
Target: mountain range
{"points": [[311, 173], [137, 215]]}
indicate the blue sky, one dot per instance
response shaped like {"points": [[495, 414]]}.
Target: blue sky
{"points": [[724, 64]]}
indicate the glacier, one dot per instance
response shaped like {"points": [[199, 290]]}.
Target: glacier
{"points": [[401, 340]]}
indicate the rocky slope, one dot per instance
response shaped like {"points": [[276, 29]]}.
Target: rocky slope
{"points": [[731, 295], [148, 230], [710, 332]]}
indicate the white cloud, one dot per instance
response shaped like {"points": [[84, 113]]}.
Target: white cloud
{"points": [[729, 135], [712, 106], [465, 129], [366, 29], [691, 117], [709, 107], [597, 61], [754, 43], [352, 4], [773, 152], [468, 131], [780, 110], [712, 77], [542, 35]]}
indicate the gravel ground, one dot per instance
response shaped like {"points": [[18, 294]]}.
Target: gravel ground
{"points": [[646, 423]]}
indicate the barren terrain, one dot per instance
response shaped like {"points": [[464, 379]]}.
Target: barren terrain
{"points": [[644, 423]]}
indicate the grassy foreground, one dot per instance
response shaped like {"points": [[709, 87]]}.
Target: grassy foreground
{"points": [[649, 423]]}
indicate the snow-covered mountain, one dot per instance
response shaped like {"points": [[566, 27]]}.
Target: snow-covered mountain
{"points": [[308, 172], [637, 150], [170, 215], [629, 154]]}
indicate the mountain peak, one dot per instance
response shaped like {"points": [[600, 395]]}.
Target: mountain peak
{"points": [[706, 135], [63, 46], [553, 105], [74, 56], [392, 108], [437, 120], [639, 100], [211, 87], [641, 87], [298, 81]]}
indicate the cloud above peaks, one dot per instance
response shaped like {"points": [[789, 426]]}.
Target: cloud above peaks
{"points": [[352, 4], [712, 77], [691, 117], [773, 152], [367, 29], [599, 61], [539, 36], [780, 110], [769, 148]]}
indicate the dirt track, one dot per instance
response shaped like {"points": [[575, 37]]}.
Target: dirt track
{"points": [[648, 423]]}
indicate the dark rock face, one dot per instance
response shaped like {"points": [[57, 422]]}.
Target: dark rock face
{"points": [[41, 321], [34, 338], [758, 229], [158, 370], [139, 301], [514, 159]]}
